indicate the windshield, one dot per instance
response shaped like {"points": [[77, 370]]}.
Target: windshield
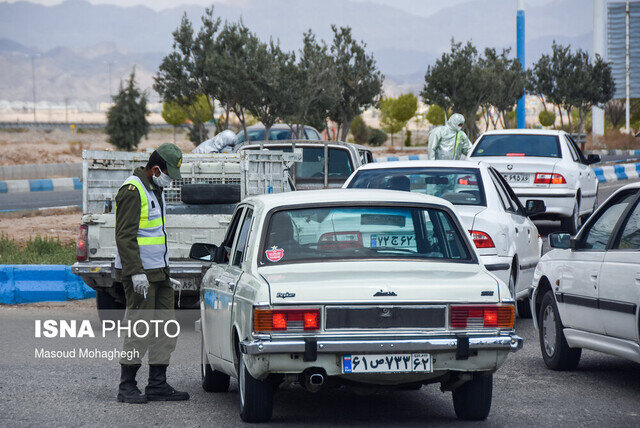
{"points": [[258, 135], [460, 186], [360, 233], [545, 146]]}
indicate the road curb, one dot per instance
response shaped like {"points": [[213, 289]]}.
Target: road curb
{"points": [[41, 185], [41, 283], [615, 152], [402, 158], [618, 172]]}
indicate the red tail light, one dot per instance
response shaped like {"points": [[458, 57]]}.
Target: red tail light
{"points": [[516, 154], [548, 178], [340, 241], [286, 320], [81, 243], [481, 239], [482, 316], [467, 181]]}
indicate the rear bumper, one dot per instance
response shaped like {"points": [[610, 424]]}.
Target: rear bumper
{"points": [[559, 202], [509, 343]]}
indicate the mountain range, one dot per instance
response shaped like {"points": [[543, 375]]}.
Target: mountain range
{"points": [[73, 45]]}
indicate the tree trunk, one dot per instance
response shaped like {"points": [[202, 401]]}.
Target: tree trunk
{"points": [[561, 119], [345, 130], [267, 128], [174, 134], [227, 110], [581, 126], [569, 120]]}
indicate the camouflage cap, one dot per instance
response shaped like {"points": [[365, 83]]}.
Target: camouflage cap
{"points": [[173, 157]]}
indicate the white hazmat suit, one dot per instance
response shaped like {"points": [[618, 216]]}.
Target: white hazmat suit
{"points": [[448, 141], [223, 142]]}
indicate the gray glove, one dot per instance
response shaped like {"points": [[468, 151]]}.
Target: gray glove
{"points": [[176, 283], [140, 284]]}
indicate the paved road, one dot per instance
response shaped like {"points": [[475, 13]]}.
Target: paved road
{"points": [[604, 389], [24, 201]]}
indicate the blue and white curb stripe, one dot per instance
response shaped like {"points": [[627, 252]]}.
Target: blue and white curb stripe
{"points": [[41, 283], [615, 152], [617, 172], [402, 158], [40, 185]]}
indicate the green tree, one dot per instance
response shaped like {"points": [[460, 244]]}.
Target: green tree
{"points": [[547, 118], [359, 130], [127, 118], [174, 115], [359, 80], [435, 115], [396, 112], [458, 82], [198, 112], [388, 122], [614, 111], [508, 82], [407, 138], [377, 137]]}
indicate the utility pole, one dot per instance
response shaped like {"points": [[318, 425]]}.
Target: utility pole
{"points": [[109, 64], [627, 66], [597, 113], [33, 84], [521, 107], [66, 109]]}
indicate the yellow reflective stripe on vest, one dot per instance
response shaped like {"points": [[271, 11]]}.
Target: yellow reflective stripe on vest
{"points": [[153, 240], [144, 207]]}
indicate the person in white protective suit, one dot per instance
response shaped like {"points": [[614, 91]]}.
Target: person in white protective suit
{"points": [[221, 143], [449, 141]]}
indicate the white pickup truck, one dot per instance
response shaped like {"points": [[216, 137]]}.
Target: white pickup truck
{"points": [[199, 208]]}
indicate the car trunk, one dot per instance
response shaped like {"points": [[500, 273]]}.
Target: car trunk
{"points": [[379, 282], [523, 170]]}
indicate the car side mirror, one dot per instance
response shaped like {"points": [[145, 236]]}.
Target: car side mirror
{"points": [[534, 207], [591, 159], [203, 252], [560, 240]]}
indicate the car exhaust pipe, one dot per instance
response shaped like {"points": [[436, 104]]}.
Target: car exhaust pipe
{"points": [[313, 379]]}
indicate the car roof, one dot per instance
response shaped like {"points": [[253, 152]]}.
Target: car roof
{"points": [[304, 197], [524, 131], [424, 164], [251, 143], [274, 126], [629, 186]]}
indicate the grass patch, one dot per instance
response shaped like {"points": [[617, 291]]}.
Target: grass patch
{"points": [[36, 251]]}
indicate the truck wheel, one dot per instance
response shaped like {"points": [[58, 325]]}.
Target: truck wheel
{"points": [[108, 308], [572, 224], [256, 396], [524, 308], [204, 193], [556, 352], [212, 380], [472, 401]]}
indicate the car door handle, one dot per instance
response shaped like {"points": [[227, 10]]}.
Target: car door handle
{"points": [[594, 276]]}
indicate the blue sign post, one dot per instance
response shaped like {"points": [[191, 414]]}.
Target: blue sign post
{"points": [[520, 109]]}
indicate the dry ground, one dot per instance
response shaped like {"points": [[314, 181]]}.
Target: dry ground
{"points": [[21, 226]]}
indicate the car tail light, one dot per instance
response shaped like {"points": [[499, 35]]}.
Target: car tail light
{"points": [[482, 316], [340, 240], [548, 178], [290, 320], [81, 243], [516, 154], [467, 181], [481, 239]]}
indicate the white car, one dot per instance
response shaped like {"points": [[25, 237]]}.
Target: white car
{"points": [[545, 165], [368, 289], [506, 239], [587, 290]]}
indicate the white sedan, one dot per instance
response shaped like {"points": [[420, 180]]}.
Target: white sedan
{"points": [[587, 290], [506, 239], [545, 165], [367, 289]]}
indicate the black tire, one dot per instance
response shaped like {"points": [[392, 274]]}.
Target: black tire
{"points": [[524, 308], [472, 401], [555, 351], [212, 380], [512, 280], [203, 193], [255, 396], [109, 309], [571, 225]]}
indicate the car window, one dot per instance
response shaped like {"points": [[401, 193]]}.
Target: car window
{"points": [[312, 134], [460, 186], [231, 231], [572, 150], [598, 232], [576, 149], [241, 243], [630, 235], [511, 195], [502, 193], [518, 145], [363, 232]]}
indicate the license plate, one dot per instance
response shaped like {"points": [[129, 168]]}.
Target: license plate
{"points": [[517, 178], [387, 363], [187, 284], [393, 241]]}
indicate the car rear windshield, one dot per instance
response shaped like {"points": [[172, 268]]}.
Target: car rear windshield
{"points": [[362, 233], [460, 186], [545, 146]]}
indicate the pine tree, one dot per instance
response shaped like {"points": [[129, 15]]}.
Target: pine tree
{"points": [[127, 118]]}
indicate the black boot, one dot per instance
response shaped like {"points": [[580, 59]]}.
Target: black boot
{"points": [[128, 391], [158, 389]]}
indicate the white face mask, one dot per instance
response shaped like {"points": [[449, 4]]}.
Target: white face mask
{"points": [[163, 181]]}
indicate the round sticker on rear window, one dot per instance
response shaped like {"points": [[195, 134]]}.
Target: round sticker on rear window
{"points": [[274, 254]]}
